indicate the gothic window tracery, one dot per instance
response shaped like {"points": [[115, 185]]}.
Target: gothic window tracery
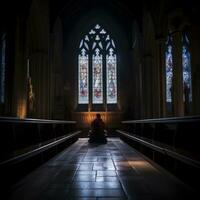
{"points": [[97, 68]]}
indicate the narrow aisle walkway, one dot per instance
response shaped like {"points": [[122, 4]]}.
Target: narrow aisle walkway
{"points": [[113, 171]]}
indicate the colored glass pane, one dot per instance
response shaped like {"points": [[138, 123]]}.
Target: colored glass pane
{"points": [[187, 80], [83, 78], [111, 77], [169, 73], [97, 85]]}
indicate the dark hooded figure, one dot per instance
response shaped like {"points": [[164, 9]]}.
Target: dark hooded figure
{"points": [[98, 130]]}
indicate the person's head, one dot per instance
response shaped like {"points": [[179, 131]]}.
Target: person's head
{"points": [[98, 116]]}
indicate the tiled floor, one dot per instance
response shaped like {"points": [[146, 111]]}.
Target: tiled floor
{"points": [[112, 171]]}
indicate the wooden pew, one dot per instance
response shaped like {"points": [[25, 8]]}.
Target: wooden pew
{"points": [[171, 142], [27, 143]]}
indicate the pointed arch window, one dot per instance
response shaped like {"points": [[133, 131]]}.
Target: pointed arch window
{"points": [[186, 64], [169, 69], [185, 73], [2, 68], [97, 68]]}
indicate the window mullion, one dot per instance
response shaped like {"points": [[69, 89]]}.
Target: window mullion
{"points": [[90, 78], [104, 81]]}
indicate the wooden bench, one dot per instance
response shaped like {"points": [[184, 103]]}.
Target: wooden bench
{"points": [[26, 143], [171, 142]]}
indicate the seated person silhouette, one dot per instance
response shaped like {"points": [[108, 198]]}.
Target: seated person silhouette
{"points": [[97, 134]]}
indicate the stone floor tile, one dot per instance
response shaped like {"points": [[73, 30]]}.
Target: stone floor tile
{"points": [[96, 185], [84, 177], [97, 193], [107, 173], [106, 179]]}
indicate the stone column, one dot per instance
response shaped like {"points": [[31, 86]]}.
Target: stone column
{"points": [[20, 79], [147, 85], [177, 91], [195, 67], [38, 37], [161, 76]]}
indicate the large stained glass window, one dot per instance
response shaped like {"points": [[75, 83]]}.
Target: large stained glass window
{"points": [[97, 68], [187, 80], [2, 68], [169, 70], [111, 77]]}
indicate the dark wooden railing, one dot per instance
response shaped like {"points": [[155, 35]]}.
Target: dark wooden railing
{"points": [[28, 142], [172, 142], [21, 135]]}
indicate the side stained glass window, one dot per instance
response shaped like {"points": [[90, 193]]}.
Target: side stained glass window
{"points": [[97, 85], [2, 68], [97, 61], [169, 70], [111, 77], [83, 78], [187, 80]]}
